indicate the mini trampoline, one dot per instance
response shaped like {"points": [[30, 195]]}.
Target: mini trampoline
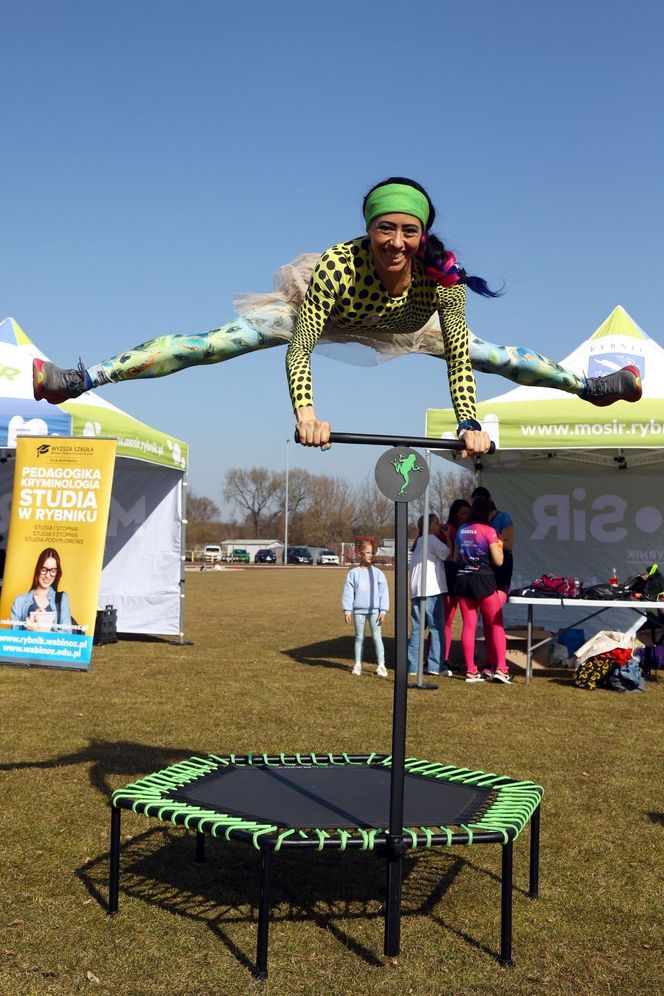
{"points": [[387, 804], [320, 801]]}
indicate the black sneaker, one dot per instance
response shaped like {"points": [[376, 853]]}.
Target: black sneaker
{"points": [[55, 385], [623, 385], [502, 676]]}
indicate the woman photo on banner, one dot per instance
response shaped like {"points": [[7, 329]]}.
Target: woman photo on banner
{"points": [[44, 608]]}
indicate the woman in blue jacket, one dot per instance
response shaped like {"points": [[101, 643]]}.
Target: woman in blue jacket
{"points": [[44, 608]]}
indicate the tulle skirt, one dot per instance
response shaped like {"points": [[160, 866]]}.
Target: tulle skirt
{"points": [[274, 315]]}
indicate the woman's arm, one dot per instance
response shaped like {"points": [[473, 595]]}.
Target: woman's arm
{"points": [[496, 551], [348, 594], [438, 548], [322, 292], [20, 607], [461, 379], [383, 595], [507, 536]]}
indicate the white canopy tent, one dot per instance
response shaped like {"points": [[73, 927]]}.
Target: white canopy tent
{"points": [[582, 483], [143, 559]]}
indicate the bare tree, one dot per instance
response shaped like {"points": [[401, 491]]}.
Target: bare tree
{"points": [[374, 513], [322, 510], [203, 520], [255, 491], [299, 497], [445, 487], [201, 509], [330, 511]]}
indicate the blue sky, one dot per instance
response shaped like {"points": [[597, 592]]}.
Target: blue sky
{"points": [[161, 156]]}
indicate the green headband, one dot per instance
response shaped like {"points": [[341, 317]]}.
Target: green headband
{"points": [[396, 198]]}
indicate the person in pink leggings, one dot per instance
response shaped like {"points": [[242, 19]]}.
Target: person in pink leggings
{"points": [[458, 514], [476, 549]]}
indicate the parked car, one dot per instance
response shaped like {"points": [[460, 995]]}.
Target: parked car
{"points": [[299, 555], [328, 557], [212, 553], [240, 557], [265, 557]]}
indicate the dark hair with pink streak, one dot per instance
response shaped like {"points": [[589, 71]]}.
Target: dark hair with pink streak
{"points": [[439, 263]]}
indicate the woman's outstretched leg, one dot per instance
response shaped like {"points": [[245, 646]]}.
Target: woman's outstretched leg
{"points": [[524, 366], [155, 358]]}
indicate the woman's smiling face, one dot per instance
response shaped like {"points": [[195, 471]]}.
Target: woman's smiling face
{"points": [[47, 573], [395, 239]]}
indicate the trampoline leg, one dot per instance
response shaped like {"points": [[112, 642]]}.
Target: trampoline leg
{"points": [[533, 889], [114, 876], [263, 914], [392, 939], [506, 906], [200, 847]]}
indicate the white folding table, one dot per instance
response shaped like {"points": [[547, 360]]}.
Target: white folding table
{"points": [[580, 603]]}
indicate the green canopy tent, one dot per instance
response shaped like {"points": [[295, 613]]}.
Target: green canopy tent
{"points": [[582, 483], [143, 559]]}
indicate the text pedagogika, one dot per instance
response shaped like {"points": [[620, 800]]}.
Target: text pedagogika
{"points": [[59, 494]]}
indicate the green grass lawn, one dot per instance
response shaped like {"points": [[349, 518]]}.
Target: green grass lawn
{"points": [[269, 671]]}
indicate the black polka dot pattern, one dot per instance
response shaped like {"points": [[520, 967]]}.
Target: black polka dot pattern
{"points": [[346, 289]]}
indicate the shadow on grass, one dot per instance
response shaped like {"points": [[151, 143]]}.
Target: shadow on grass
{"points": [[656, 818], [107, 758], [330, 653], [158, 868]]}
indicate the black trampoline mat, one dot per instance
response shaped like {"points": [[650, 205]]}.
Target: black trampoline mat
{"points": [[330, 797]]}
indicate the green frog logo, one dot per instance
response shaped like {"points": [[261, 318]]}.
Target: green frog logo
{"points": [[405, 466]]}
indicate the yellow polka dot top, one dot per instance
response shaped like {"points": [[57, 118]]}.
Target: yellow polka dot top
{"points": [[346, 289]]}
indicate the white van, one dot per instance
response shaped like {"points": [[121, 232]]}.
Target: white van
{"points": [[212, 553]]}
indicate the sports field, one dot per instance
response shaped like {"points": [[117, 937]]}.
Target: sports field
{"points": [[268, 671]]}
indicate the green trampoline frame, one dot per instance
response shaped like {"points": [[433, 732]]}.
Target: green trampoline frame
{"points": [[510, 806]]}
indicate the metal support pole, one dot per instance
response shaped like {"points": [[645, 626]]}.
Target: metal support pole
{"points": [[422, 598], [506, 905], [533, 888], [286, 511], [263, 913], [114, 874], [184, 484], [200, 847], [395, 841], [529, 645]]}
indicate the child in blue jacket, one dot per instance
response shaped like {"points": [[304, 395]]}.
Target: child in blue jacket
{"points": [[366, 598]]}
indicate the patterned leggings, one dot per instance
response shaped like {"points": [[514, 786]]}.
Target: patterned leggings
{"points": [[169, 353], [360, 619]]}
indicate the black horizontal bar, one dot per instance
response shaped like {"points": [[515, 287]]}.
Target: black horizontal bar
{"points": [[424, 442]]}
